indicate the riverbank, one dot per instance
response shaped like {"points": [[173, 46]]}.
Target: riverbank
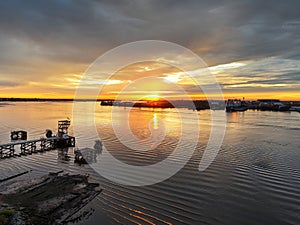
{"points": [[51, 199]]}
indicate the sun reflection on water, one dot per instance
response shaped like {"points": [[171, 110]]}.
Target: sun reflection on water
{"points": [[155, 122]]}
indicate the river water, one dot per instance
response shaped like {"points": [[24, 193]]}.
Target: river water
{"points": [[255, 178]]}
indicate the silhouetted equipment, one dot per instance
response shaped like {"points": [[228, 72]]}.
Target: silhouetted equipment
{"points": [[63, 126], [18, 135], [48, 133], [65, 141]]}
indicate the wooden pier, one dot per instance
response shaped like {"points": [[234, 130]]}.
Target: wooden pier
{"points": [[62, 140], [35, 146]]}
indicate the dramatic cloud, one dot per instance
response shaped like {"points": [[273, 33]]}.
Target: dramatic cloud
{"points": [[53, 42]]}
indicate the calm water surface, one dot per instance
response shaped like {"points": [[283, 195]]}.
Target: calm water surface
{"points": [[255, 178]]}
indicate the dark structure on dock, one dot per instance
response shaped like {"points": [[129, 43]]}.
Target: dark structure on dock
{"points": [[63, 126], [18, 135], [62, 140]]}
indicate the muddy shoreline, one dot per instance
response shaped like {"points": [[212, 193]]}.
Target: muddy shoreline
{"points": [[52, 199]]}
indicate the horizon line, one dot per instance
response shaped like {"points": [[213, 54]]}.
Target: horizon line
{"points": [[109, 99]]}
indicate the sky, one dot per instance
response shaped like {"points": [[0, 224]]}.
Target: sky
{"points": [[252, 47]]}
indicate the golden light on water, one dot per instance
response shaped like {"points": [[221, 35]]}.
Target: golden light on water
{"points": [[155, 122]]}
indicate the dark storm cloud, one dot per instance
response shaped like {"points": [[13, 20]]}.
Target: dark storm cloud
{"points": [[79, 31]]}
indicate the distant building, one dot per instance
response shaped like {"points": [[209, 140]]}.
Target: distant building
{"points": [[268, 100], [272, 105]]}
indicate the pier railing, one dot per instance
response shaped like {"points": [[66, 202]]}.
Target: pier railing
{"points": [[35, 146]]}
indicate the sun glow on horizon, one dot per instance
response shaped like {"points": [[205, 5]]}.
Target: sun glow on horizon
{"points": [[154, 97], [238, 79]]}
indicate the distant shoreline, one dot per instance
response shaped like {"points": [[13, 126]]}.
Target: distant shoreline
{"points": [[260, 104], [45, 100], [86, 100]]}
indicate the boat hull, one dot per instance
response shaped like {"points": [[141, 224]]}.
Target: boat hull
{"points": [[236, 109]]}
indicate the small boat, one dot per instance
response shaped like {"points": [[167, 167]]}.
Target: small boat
{"points": [[235, 105], [295, 108]]}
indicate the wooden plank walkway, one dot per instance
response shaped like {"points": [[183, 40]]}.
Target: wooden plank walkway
{"points": [[35, 146]]}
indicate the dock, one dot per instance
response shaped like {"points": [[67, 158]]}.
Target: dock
{"points": [[27, 147], [35, 146]]}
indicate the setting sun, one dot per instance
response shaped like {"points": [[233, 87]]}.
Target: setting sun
{"points": [[154, 97]]}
